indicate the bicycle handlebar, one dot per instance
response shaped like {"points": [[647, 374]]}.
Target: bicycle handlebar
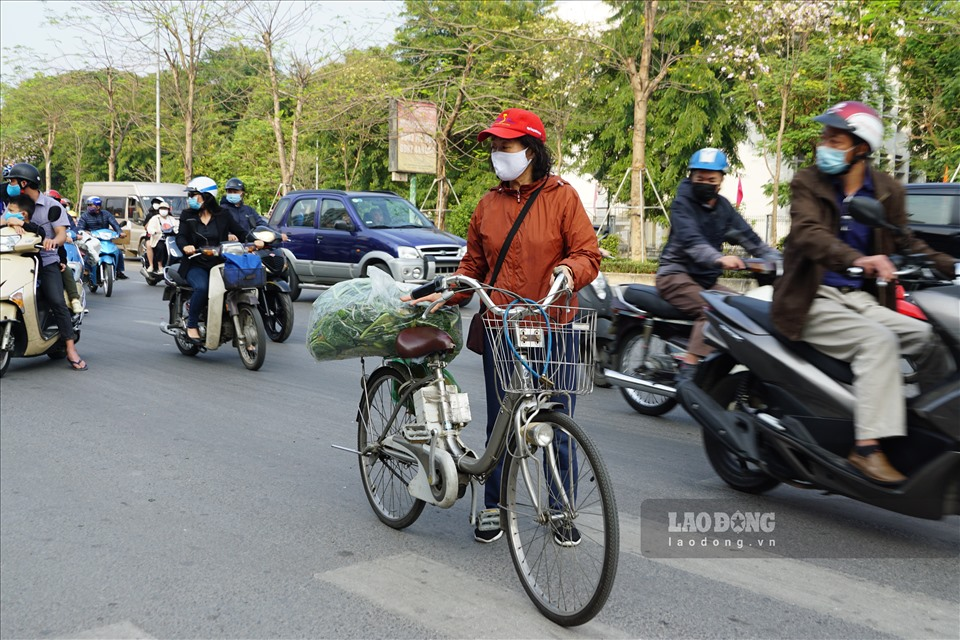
{"points": [[445, 284]]}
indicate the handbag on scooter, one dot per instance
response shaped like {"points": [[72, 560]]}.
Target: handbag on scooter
{"points": [[475, 332]]}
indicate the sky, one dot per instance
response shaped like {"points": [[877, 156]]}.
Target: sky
{"points": [[30, 43]]}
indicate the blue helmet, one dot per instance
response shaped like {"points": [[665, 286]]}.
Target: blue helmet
{"points": [[709, 159], [94, 200]]}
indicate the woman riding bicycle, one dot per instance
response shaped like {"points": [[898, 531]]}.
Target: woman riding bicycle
{"points": [[556, 232]]}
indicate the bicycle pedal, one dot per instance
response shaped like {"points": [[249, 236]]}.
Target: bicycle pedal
{"points": [[416, 433], [488, 520]]}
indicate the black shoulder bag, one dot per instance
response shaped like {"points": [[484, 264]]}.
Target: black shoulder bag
{"points": [[475, 332]]}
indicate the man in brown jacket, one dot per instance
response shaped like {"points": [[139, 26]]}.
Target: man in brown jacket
{"points": [[815, 301]]}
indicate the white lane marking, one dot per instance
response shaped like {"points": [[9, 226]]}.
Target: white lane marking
{"points": [[802, 584], [125, 629], [421, 589]]}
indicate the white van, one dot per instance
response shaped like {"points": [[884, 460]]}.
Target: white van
{"points": [[130, 201]]}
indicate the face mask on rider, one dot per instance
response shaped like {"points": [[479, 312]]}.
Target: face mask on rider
{"points": [[194, 202], [234, 198], [704, 192], [832, 161], [13, 190], [509, 166], [164, 213]]}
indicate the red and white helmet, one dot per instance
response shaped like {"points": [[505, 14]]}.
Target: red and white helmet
{"points": [[857, 118]]}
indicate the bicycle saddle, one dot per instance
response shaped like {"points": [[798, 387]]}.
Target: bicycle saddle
{"points": [[416, 342]]}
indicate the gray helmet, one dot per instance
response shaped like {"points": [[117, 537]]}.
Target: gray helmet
{"points": [[234, 183], [25, 171]]}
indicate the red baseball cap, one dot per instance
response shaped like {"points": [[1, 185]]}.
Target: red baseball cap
{"points": [[515, 123]]}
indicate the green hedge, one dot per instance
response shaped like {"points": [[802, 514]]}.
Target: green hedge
{"points": [[625, 265]]}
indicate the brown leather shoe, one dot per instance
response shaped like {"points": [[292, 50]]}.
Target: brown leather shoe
{"points": [[876, 467]]}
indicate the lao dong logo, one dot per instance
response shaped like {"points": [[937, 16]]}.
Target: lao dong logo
{"points": [[720, 522]]}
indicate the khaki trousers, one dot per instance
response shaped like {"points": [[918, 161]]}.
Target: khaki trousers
{"points": [[855, 328], [683, 292]]}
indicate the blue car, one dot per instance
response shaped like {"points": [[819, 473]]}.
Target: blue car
{"points": [[339, 235]]}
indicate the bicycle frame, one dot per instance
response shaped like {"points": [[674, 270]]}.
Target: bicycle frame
{"points": [[517, 410]]}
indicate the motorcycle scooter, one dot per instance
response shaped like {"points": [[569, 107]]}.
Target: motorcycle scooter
{"points": [[102, 259], [231, 314], [274, 301], [160, 254], [599, 296], [651, 336], [27, 325], [787, 415]]}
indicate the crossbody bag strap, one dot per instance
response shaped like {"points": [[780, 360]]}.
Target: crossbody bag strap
{"points": [[510, 235]]}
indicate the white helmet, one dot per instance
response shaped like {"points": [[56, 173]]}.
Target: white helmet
{"points": [[857, 118], [203, 184]]}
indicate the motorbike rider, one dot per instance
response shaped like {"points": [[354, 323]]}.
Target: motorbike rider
{"points": [[691, 261], [22, 208], [245, 215], [817, 302], [148, 247], [24, 178], [94, 218], [157, 225], [204, 223]]}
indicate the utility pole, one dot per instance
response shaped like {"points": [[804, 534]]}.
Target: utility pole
{"points": [[158, 105]]}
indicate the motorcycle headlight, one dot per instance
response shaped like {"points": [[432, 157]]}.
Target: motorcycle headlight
{"points": [[8, 243], [265, 235], [407, 253]]}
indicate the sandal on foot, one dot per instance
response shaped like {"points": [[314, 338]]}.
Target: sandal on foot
{"points": [[77, 365]]}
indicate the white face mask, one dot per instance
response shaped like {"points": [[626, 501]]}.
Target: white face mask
{"points": [[164, 212], [509, 166]]}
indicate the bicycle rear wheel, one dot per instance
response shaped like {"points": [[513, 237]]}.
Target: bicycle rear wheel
{"points": [[564, 537], [385, 478]]}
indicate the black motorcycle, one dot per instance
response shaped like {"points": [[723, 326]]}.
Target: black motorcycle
{"points": [[599, 296], [275, 303], [651, 337], [774, 410]]}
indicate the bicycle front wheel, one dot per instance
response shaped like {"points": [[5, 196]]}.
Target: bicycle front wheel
{"points": [[385, 478], [560, 518]]}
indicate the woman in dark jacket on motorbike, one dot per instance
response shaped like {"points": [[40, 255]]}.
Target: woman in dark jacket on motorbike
{"points": [[203, 224]]}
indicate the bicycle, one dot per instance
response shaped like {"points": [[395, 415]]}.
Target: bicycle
{"points": [[557, 506]]}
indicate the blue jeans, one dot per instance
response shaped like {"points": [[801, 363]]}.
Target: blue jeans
{"points": [[199, 279], [495, 394]]}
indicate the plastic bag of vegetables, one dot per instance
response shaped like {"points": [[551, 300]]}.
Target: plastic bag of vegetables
{"points": [[362, 317]]}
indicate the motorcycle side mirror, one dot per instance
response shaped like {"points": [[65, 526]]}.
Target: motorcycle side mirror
{"points": [[870, 212], [123, 223]]}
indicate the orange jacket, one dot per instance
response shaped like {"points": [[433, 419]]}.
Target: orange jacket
{"points": [[556, 231]]}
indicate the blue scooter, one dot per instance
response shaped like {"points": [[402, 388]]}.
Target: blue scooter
{"points": [[103, 258]]}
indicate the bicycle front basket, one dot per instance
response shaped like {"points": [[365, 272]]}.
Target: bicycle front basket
{"points": [[544, 348]]}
